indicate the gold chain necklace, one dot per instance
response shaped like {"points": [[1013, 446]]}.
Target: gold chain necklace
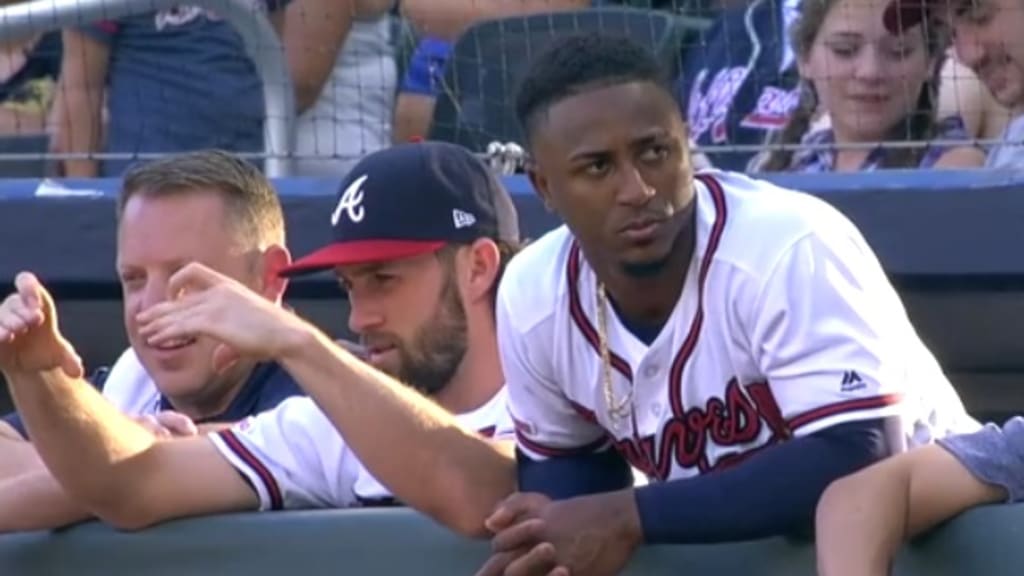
{"points": [[617, 409]]}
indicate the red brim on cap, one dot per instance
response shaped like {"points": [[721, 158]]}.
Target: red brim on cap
{"points": [[362, 252]]}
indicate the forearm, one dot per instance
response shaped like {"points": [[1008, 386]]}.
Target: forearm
{"points": [[17, 457], [314, 33], [410, 444], [35, 501], [773, 493], [861, 523], [87, 444], [447, 19]]}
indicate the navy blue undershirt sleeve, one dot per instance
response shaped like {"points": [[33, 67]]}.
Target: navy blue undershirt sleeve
{"points": [[568, 476], [773, 493]]}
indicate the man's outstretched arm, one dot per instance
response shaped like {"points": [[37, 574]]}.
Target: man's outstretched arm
{"points": [[863, 519], [115, 468]]}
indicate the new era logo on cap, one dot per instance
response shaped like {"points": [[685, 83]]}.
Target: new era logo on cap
{"points": [[413, 199], [462, 219]]}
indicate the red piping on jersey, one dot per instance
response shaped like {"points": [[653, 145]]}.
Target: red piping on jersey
{"points": [[854, 405], [580, 319], [236, 446], [487, 432], [620, 365], [675, 388], [552, 452]]}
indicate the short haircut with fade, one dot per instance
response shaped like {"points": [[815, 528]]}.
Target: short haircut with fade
{"points": [[579, 63], [251, 202]]}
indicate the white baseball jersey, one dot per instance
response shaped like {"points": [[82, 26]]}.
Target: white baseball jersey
{"points": [[294, 457], [786, 325], [129, 387]]}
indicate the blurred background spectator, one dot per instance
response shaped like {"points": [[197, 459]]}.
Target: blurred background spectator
{"points": [[342, 57], [171, 81], [875, 86], [437, 23]]}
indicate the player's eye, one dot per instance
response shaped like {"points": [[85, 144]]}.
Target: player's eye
{"points": [[132, 279], [597, 167], [655, 153]]}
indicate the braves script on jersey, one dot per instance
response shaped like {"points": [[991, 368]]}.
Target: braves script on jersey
{"points": [[295, 458], [786, 325]]}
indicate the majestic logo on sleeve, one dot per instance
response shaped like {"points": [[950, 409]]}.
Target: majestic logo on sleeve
{"points": [[351, 202]]}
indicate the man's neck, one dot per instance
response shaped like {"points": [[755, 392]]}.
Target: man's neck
{"points": [[479, 377]]}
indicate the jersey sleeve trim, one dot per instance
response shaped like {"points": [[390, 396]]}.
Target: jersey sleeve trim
{"points": [[252, 468], [534, 447], [830, 411]]}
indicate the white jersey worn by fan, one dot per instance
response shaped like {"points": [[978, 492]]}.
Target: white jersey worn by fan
{"points": [[295, 458], [786, 325], [129, 387]]}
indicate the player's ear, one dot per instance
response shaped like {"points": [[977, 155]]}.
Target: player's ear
{"points": [[273, 259], [483, 264]]}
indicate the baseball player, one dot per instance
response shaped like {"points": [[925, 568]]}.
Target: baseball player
{"points": [[736, 341], [422, 232], [207, 206]]}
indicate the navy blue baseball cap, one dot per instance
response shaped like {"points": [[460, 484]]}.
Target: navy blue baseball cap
{"points": [[413, 199]]}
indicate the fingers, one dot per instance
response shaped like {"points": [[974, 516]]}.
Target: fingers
{"points": [[71, 363], [224, 357], [176, 423], [526, 533], [540, 560], [150, 423], [16, 317], [171, 320], [30, 289], [496, 564], [513, 508], [193, 276]]}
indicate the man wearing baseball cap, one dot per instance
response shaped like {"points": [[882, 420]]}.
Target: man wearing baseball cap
{"points": [[985, 41], [421, 235]]}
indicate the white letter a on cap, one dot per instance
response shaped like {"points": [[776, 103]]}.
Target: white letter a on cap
{"points": [[351, 201]]}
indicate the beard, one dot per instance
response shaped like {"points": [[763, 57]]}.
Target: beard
{"points": [[429, 360]]}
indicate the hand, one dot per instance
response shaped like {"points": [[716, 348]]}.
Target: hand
{"points": [[591, 535], [30, 340], [206, 303], [168, 424]]}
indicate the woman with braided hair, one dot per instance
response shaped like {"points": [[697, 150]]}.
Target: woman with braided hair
{"points": [[876, 87]]}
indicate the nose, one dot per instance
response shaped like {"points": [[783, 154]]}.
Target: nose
{"points": [[633, 188], [363, 316], [869, 66], [154, 292], [968, 47]]}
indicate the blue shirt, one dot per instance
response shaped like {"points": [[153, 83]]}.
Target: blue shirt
{"points": [[179, 80], [994, 455], [267, 386], [820, 156]]}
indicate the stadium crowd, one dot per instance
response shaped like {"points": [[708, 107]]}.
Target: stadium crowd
{"points": [[694, 356]]}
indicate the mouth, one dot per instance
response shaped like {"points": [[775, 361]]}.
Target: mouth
{"points": [[642, 229], [174, 345], [376, 353], [870, 98]]}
